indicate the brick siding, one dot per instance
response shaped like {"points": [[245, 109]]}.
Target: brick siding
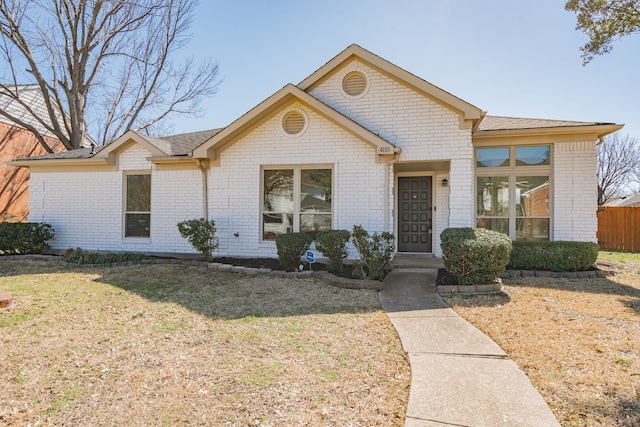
{"points": [[16, 142]]}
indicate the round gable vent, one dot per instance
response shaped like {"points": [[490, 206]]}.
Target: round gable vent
{"points": [[293, 123], [354, 83]]}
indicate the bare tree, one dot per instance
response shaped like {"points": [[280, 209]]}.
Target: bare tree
{"points": [[618, 166], [103, 66]]}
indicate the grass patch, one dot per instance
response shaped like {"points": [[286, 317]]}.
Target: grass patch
{"points": [[170, 345], [577, 339]]}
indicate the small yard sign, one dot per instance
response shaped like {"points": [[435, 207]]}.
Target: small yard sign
{"points": [[310, 257]]}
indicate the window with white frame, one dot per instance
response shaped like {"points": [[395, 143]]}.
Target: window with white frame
{"points": [[137, 216], [513, 191], [296, 199]]}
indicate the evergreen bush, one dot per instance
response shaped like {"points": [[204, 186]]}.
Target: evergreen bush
{"points": [[24, 237], [333, 245], [80, 256], [475, 255], [553, 256], [291, 247], [375, 253], [201, 234]]}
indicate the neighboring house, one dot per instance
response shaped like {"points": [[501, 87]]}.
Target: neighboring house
{"points": [[632, 201], [18, 142], [358, 142]]}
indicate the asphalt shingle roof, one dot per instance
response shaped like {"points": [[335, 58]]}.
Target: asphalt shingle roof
{"points": [[181, 144], [513, 123]]}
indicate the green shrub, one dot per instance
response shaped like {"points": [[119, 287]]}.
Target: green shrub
{"points": [[333, 245], [375, 253], [201, 234], [553, 256], [291, 247], [80, 256], [24, 237], [475, 255]]}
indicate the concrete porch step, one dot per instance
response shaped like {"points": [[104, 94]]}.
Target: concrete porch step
{"points": [[428, 261]]}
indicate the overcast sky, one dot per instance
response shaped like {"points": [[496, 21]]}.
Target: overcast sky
{"points": [[513, 58]]}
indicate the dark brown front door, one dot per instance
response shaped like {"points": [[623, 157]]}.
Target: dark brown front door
{"points": [[414, 214]]}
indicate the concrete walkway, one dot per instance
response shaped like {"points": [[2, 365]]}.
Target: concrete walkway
{"points": [[459, 376]]}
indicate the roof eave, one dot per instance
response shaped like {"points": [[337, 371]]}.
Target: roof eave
{"points": [[598, 131], [59, 162]]}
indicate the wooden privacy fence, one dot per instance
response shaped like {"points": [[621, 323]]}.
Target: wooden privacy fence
{"points": [[619, 228]]}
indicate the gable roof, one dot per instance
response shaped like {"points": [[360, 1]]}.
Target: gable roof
{"points": [[31, 96], [468, 112], [281, 99], [208, 144], [167, 147]]}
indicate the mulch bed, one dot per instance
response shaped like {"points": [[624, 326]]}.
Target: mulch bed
{"points": [[274, 264]]}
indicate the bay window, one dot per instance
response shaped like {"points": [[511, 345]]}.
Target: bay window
{"points": [[513, 191], [296, 199]]}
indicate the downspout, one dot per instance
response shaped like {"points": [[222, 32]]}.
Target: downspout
{"points": [[205, 190]]}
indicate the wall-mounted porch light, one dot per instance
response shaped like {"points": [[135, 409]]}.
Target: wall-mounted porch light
{"points": [[445, 182]]}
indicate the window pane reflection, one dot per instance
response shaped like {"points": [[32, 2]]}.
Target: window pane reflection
{"points": [[278, 190], [139, 193], [138, 225], [532, 196], [275, 224], [533, 156], [314, 223], [532, 229], [495, 224], [492, 157], [493, 196], [315, 190]]}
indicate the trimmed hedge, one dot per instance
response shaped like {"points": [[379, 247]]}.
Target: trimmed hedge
{"points": [[333, 245], [24, 237], [291, 247], [553, 256], [475, 256], [80, 256]]}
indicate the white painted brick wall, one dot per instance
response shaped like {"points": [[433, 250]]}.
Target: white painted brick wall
{"points": [[235, 199], [441, 203], [86, 208], [91, 214], [575, 191], [424, 129]]}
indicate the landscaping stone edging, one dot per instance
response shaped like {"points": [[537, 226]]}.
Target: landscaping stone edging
{"points": [[326, 277], [491, 288], [591, 274], [509, 274]]}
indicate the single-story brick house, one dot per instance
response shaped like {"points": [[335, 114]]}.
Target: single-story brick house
{"points": [[359, 141]]}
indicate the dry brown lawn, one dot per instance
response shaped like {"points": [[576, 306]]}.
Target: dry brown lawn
{"points": [[578, 340], [174, 345]]}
